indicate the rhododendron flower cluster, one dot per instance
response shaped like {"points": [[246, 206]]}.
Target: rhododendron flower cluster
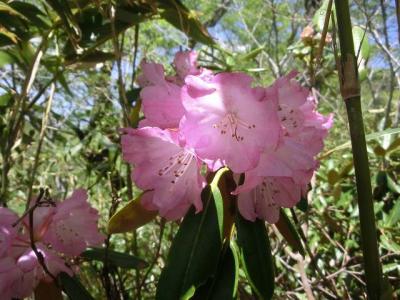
{"points": [[60, 233], [197, 118]]}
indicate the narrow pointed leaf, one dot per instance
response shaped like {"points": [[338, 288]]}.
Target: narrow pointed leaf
{"points": [[368, 137], [48, 290], [393, 146], [4, 7], [361, 45], [174, 12], [302, 204], [255, 255], [74, 288], [63, 10], [394, 215], [289, 232], [195, 250], [32, 13], [226, 281], [130, 217], [115, 258], [392, 185]]}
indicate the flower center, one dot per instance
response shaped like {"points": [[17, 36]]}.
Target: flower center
{"points": [[230, 123], [176, 165], [267, 192], [289, 118]]}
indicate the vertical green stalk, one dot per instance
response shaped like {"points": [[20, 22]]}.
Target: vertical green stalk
{"points": [[350, 89]]}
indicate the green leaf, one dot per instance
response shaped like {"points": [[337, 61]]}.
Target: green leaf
{"points": [[256, 256], [174, 12], [48, 290], [74, 288], [250, 55], [5, 99], [88, 60], [6, 58], [195, 250], [4, 7], [219, 203], [387, 290], [8, 35], [96, 29], [390, 245], [302, 204], [117, 259], [132, 216], [361, 44], [393, 146], [394, 215], [289, 232], [63, 10], [379, 151], [333, 176], [32, 13], [368, 137], [226, 282], [319, 16], [133, 95], [392, 185], [387, 268]]}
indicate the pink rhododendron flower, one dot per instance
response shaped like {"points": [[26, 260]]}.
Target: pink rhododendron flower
{"points": [[196, 117], [161, 95], [59, 232], [291, 164], [152, 74], [10, 279], [185, 63], [265, 200], [164, 166], [161, 99], [7, 231], [20, 276], [227, 119], [76, 225], [162, 105]]}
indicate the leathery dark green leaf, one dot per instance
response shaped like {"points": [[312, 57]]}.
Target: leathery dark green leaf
{"points": [[226, 281], [115, 258], [195, 250], [289, 232], [174, 12], [255, 256], [73, 288]]}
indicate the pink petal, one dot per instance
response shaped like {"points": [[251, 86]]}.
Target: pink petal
{"points": [[163, 165], [152, 74], [10, 274], [185, 63], [162, 105], [74, 225], [228, 120], [265, 200], [7, 231]]}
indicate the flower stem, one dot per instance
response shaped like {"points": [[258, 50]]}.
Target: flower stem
{"points": [[350, 89]]}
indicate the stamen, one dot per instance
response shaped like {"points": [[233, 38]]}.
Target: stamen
{"points": [[232, 123], [176, 166]]}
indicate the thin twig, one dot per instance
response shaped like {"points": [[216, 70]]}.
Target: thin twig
{"points": [[324, 33], [135, 52], [40, 143], [157, 254], [38, 254]]}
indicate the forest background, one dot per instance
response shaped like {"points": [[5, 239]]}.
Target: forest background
{"points": [[67, 85]]}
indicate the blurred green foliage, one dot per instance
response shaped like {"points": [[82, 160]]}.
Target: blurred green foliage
{"points": [[81, 144]]}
